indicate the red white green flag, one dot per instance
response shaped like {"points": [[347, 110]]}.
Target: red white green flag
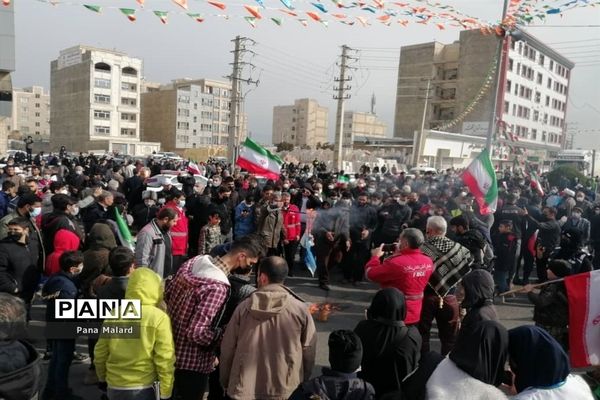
{"points": [[480, 177], [257, 160], [129, 13], [163, 16], [535, 183]]}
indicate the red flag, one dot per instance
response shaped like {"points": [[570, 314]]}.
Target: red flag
{"points": [[583, 291]]}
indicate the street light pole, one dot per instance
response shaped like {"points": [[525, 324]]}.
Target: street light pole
{"points": [[497, 78], [419, 143]]}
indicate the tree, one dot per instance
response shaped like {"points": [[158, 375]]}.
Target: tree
{"points": [[305, 147], [284, 146], [564, 176]]}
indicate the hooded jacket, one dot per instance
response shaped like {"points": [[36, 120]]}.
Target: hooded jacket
{"points": [[479, 299], [18, 270], [269, 346], [127, 364], [270, 226], [23, 383], [179, 232], [64, 240], [100, 242], [391, 350]]}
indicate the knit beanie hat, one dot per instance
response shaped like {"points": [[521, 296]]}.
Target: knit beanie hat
{"points": [[560, 268], [345, 351]]}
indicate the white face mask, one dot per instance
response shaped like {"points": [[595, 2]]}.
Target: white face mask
{"points": [[36, 211], [63, 191], [576, 215], [149, 202], [79, 172], [181, 203], [75, 211], [580, 198]]}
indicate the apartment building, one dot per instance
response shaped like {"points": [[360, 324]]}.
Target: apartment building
{"points": [[7, 65], [95, 97], [179, 115], [363, 125], [31, 113], [305, 123], [534, 92]]}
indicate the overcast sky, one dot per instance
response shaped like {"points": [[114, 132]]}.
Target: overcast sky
{"points": [[292, 61]]}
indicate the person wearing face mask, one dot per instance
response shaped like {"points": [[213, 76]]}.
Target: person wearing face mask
{"points": [[61, 286], [392, 216], [63, 215], [577, 222], [195, 299], [153, 243], [144, 213], [571, 249], [272, 322], [270, 225], [548, 238], [363, 221], [179, 231], [584, 204], [19, 273], [98, 210], [595, 235]]}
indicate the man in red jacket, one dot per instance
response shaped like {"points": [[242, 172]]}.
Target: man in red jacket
{"points": [[291, 226], [408, 270]]}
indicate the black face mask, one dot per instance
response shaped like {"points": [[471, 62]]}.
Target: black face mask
{"points": [[14, 236]]}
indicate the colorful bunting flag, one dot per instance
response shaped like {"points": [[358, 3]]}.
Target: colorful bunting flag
{"points": [[384, 18], [291, 13], [254, 11], [277, 20], [93, 8], [340, 16], [303, 21], [196, 16], [251, 21], [261, 3], [314, 16], [288, 4], [6, 3], [140, 2], [129, 13], [163, 15], [370, 9], [217, 4], [182, 3], [363, 21], [320, 7]]}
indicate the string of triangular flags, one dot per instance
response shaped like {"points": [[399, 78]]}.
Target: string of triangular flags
{"points": [[527, 11]]}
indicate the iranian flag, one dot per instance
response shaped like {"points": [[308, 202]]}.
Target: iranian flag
{"points": [[583, 291], [257, 160], [535, 183], [193, 168], [480, 177]]}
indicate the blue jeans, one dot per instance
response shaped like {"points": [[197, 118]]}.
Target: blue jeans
{"points": [[501, 280], [138, 394], [57, 384]]}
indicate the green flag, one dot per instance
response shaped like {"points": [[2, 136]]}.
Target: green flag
{"points": [[123, 231]]}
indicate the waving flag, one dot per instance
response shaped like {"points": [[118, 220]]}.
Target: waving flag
{"points": [[257, 160], [123, 231], [535, 183], [583, 291], [480, 177], [193, 168]]}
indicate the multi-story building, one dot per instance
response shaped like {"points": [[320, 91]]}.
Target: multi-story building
{"points": [[221, 92], [363, 125], [95, 96], [31, 113], [179, 115], [7, 65], [305, 123], [534, 90]]}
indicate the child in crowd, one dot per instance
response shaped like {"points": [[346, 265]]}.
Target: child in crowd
{"points": [[210, 234]]}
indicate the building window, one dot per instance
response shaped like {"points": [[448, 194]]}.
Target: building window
{"points": [[128, 87], [536, 116], [534, 134], [129, 71], [102, 98], [102, 130], [126, 101], [37, 114], [37, 95], [547, 101], [128, 117], [127, 132], [538, 97], [37, 105], [37, 124], [551, 65], [183, 125], [506, 107], [102, 83], [510, 64], [100, 114], [102, 67]]}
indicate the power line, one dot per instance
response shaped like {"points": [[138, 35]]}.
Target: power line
{"points": [[575, 41]]}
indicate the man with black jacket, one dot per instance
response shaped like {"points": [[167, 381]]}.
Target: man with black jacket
{"points": [[220, 204], [19, 272], [392, 217], [548, 238]]}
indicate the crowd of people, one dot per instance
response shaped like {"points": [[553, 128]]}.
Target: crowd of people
{"points": [[209, 264]]}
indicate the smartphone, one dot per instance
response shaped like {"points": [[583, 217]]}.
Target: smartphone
{"points": [[389, 248]]}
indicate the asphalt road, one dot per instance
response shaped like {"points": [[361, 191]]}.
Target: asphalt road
{"points": [[350, 304]]}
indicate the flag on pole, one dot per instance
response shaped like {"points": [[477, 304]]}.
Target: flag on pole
{"points": [[193, 168], [123, 231], [480, 177], [257, 160], [535, 183], [583, 291]]}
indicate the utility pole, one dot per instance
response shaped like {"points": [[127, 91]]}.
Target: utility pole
{"points": [[340, 97], [498, 79], [236, 94], [418, 144]]}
